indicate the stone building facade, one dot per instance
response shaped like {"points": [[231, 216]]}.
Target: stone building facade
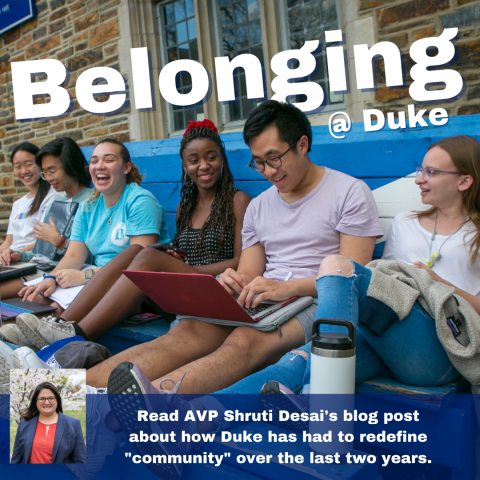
{"points": [[89, 33], [80, 34], [403, 23]]}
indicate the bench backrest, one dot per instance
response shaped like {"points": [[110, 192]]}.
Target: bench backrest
{"points": [[385, 160]]}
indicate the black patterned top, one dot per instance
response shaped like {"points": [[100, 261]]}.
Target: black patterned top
{"points": [[208, 248]]}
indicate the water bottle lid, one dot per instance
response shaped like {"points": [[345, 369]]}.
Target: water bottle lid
{"points": [[333, 340]]}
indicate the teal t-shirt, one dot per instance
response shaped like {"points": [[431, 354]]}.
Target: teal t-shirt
{"points": [[136, 213]]}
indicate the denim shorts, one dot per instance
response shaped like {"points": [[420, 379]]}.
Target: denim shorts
{"points": [[307, 318]]}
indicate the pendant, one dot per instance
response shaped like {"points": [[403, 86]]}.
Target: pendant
{"points": [[429, 262], [109, 221]]}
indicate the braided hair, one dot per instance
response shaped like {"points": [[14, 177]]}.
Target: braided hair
{"points": [[221, 220]]}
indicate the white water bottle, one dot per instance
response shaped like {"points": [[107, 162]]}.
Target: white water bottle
{"points": [[332, 374]]}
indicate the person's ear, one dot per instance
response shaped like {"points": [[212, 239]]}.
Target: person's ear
{"points": [[184, 172], [465, 183], [302, 145], [127, 168]]}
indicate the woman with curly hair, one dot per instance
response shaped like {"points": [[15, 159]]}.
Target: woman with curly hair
{"points": [[209, 223], [45, 435]]}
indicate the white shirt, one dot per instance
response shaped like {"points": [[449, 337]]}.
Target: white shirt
{"points": [[20, 226], [409, 242]]}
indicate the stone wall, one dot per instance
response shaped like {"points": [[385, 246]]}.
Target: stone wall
{"points": [[404, 22], [79, 33]]}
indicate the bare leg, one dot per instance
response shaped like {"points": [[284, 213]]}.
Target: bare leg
{"points": [[124, 297], [244, 352], [59, 310], [100, 284], [336, 265], [10, 288], [184, 343]]}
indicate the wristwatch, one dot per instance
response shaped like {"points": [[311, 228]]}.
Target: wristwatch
{"points": [[88, 274]]}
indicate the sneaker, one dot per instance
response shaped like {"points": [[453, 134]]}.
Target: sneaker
{"points": [[25, 357], [45, 331], [6, 365], [125, 384], [275, 396], [12, 334]]}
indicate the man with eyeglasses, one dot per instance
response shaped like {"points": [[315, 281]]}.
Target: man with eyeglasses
{"points": [[310, 212]]}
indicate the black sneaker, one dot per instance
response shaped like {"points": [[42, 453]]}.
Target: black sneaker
{"points": [[275, 396]]}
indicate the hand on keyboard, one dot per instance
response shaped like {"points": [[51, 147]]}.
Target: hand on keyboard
{"points": [[260, 308]]}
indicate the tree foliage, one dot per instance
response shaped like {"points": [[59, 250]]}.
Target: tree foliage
{"points": [[70, 384]]}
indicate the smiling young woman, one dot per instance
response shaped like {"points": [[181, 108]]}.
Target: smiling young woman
{"points": [[30, 208]]}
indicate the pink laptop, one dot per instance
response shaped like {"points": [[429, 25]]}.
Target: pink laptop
{"points": [[198, 296]]}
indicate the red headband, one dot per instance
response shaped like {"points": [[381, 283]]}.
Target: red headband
{"points": [[204, 123]]}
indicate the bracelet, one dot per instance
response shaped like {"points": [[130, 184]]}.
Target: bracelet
{"points": [[45, 276], [60, 242]]}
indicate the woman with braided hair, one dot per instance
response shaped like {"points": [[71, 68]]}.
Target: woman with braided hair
{"points": [[206, 217], [209, 223]]}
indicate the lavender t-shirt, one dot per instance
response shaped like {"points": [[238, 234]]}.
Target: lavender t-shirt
{"points": [[298, 236]]}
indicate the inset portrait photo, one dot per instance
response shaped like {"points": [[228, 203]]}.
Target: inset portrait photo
{"points": [[47, 416]]}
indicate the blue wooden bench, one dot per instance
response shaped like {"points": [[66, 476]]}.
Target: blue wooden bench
{"points": [[386, 161]]}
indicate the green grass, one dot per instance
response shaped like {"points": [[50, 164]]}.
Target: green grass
{"points": [[70, 413]]}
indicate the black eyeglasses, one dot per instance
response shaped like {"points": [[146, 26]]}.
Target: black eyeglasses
{"points": [[429, 171], [44, 399], [273, 162]]}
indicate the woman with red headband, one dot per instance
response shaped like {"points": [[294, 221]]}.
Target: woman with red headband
{"points": [[209, 223]]}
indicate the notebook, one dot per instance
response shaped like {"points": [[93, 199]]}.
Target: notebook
{"points": [[62, 214]]}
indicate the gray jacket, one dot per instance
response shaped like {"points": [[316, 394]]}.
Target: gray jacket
{"points": [[399, 286]]}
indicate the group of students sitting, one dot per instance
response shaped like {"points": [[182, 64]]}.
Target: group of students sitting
{"points": [[310, 234]]}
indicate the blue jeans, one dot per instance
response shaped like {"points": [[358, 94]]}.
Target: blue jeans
{"points": [[409, 351]]}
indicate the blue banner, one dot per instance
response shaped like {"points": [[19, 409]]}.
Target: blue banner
{"points": [[243, 437], [14, 12]]}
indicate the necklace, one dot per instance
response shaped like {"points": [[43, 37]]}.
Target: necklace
{"points": [[435, 257], [113, 213]]}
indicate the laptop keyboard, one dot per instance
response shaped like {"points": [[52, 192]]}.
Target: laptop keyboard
{"points": [[259, 308], [11, 311]]}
